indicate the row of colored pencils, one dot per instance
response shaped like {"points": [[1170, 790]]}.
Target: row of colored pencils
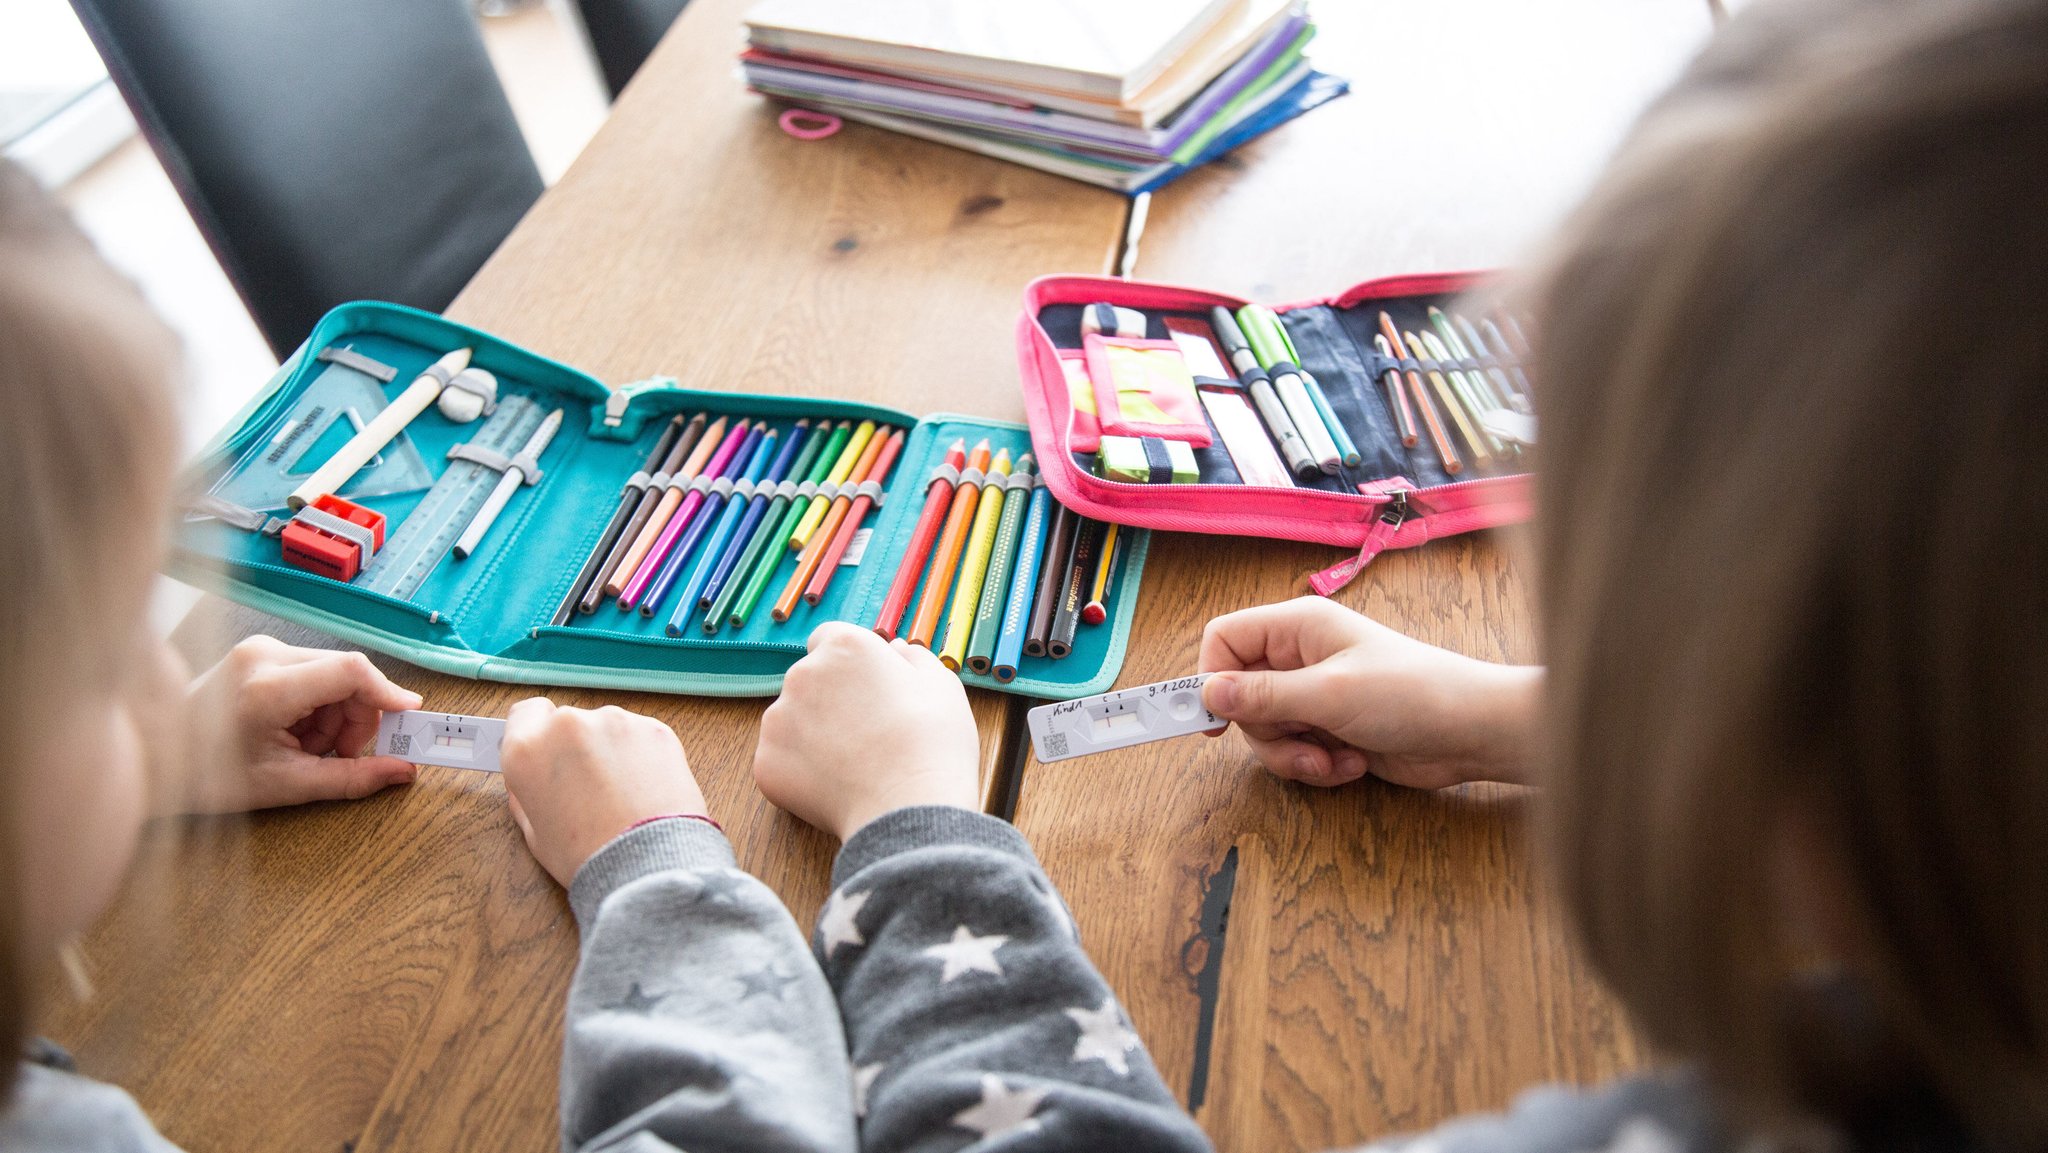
{"points": [[999, 561], [1470, 401], [735, 498]]}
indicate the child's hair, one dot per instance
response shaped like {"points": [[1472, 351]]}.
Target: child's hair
{"points": [[1793, 558], [88, 441]]}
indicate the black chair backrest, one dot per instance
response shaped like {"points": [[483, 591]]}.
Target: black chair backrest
{"points": [[329, 150], [623, 32]]}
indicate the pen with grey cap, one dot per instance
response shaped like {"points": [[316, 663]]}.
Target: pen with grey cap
{"points": [[1246, 362]]}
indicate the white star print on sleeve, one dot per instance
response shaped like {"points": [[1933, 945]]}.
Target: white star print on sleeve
{"points": [[967, 953], [1001, 1110], [863, 1080], [1103, 1036], [836, 923]]}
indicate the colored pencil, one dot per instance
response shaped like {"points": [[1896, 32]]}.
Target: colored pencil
{"points": [[1002, 559], [924, 624], [1469, 398], [1023, 583], [1494, 395], [938, 495], [848, 457], [767, 545], [835, 515], [828, 565], [1074, 588], [1481, 456], [636, 493], [657, 489], [725, 575], [1438, 436], [658, 573], [1397, 396], [981, 539], [721, 533], [1347, 449], [1497, 345], [1052, 575], [1097, 609], [664, 511]]}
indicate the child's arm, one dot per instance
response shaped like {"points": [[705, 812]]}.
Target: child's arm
{"points": [[698, 1020], [970, 1009]]}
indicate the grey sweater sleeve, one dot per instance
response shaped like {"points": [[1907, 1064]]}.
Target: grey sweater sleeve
{"points": [[972, 1013], [698, 1020]]}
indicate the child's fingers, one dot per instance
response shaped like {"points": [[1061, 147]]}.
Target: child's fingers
{"points": [[840, 633], [1311, 763], [350, 778], [297, 689], [318, 731]]}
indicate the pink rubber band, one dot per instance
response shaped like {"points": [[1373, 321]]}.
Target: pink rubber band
{"points": [[821, 124]]}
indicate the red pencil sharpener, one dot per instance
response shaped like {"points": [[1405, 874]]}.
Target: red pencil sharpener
{"points": [[333, 537]]}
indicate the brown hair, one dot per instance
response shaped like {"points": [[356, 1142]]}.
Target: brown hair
{"points": [[88, 440], [1793, 554]]}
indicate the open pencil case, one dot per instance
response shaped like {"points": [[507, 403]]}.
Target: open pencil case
{"points": [[488, 615], [1396, 496]]}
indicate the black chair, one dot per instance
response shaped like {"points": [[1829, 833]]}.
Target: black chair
{"points": [[623, 32], [329, 151]]}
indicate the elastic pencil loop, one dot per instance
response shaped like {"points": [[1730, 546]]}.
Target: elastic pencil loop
{"points": [[1157, 461], [829, 490], [485, 389], [529, 468], [363, 538], [1254, 376], [1408, 363], [1431, 364], [490, 458], [807, 489], [972, 476], [786, 489], [641, 481], [722, 486], [945, 472], [675, 483], [1020, 480], [871, 489], [1283, 367], [700, 483], [368, 366]]}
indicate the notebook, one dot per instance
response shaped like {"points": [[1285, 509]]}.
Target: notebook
{"points": [[1105, 51]]}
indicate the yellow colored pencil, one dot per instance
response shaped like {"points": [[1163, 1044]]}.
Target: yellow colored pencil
{"points": [[1456, 410], [848, 457], [981, 540]]}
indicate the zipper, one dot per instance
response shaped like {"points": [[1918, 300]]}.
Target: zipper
{"points": [[1393, 514]]}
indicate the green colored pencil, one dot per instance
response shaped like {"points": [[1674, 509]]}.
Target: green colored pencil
{"points": [[771, 558], [758, 542], [988, 615]]}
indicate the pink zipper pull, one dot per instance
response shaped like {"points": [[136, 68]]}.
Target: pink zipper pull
{"points": [[1345, 571]]}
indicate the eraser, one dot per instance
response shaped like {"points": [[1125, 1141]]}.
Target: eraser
{"points": [[1110, 320], [1121, 719], [1132, 460], [447, 739]]}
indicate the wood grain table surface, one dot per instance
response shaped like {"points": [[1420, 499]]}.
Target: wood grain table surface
{"points": [[1315, 968], [390, 974]]}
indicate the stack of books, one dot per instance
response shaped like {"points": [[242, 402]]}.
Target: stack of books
{"points": [[1127, 94]]}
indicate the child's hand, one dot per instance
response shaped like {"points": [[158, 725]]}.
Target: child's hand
{"points": [[265, 719], [1326, 696], [576, 778], [865, 726]]}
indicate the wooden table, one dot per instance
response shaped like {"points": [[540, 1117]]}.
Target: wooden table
{"points": [[390, 974]]}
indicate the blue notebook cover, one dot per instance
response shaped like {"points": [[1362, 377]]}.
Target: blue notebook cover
{"points": [[1313, 91]]}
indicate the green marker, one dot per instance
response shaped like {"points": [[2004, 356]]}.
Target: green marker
{"points": [[771, 558], [988, 615], [1276, 355]]}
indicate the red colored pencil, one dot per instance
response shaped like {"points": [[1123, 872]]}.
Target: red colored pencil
{"points": [[829, 564], [863, 470], [937, 496], [938, 586]]}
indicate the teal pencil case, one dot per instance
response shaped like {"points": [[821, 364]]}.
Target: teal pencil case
{"points": [[489, 614]]}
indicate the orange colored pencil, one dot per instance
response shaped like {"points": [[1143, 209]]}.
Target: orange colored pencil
{"points": [[1435, 423], [623, 575], [821, 537], [829, 564], [946, 559]]}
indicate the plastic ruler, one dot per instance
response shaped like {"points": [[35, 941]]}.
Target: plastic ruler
{"points": [[431, 530]]}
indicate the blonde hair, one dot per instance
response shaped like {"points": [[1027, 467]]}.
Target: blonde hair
{"points": [[1793, 558], [88, 442]]}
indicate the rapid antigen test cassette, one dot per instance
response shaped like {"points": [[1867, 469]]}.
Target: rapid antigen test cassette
{"points": [[447, 739], [1121, 719]]}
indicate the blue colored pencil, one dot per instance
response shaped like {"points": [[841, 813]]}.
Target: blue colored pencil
{"points": [[721, 575], [700, 522], [720, 532], [1023, 584], [1347, 449]]}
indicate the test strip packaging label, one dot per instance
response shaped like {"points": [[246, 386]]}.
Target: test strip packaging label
{"points": [[447, 739], [1120, 719]]}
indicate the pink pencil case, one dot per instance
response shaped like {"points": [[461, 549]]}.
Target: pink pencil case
{"points": [[1396, 496]]}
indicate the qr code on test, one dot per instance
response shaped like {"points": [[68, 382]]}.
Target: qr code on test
{"points": [[401, 744], [1056, 744]]}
